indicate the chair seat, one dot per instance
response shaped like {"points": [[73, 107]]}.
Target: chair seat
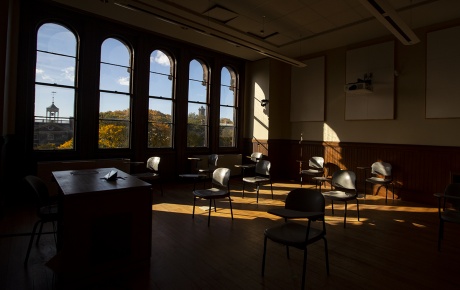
{"points": [[451, 216], [48, 213], [245, 166], [322, 178], [311, 171], [210, 193], [294, 214], [339, 195], [293, 234], [147, 175], [378, 180], [256, 179]]}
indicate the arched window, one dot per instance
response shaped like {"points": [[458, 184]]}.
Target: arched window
{"points": [[161, 106], [198, 105], [55, 88], [228, 108], [115, 95]]}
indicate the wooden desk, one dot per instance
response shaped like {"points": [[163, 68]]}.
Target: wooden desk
{"points": [[105, 227]]}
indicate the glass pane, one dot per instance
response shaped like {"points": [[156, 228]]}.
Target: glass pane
{"points": [[55, 69], [197, 114], [114, 106], [54, 123], [160, 135], [227, 96], [57, 39], [113, 134], [225, 78], [160, 111], [160, 63], [227, 116], [54, 136], [196, 92], [160, 86], [196, 136], [196, 71], [114, 78], [226, 136], [115, 52], [63, 100]]}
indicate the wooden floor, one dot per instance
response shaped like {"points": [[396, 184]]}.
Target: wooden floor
{"points": [[393, 246]]}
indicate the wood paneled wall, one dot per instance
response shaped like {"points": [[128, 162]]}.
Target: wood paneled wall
{"points": [[418, 171]]}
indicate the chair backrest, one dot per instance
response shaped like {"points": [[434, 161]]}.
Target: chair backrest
{"points": [[452, 197], [153, 162], [381, 168], [39, 188], [263, 167], [305, 199], [344, 179], [212, 160], [256, 156], [221, 177], [316, 162]]}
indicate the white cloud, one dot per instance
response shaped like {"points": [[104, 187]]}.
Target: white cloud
{"points": [[41, 74], [124, 81], [69, 73], [161, 58]]}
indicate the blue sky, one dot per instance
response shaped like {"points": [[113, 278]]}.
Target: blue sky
{"points": [[56, 65]]}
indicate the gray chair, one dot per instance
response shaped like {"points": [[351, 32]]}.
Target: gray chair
{"points": [[262, 176], [220, 189], [152, 174], [212, 165], [301, 203], [448, 208], [255, 157], [344, 190], [47, 211], [381, 175], [315, 169]]}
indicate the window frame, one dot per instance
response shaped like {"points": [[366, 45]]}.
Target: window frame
{"points": [[206, 82], [172, 77], [72, 120], [233, 84], [129, 94]]}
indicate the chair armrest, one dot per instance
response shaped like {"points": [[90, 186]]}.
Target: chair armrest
{"points": [[438, 195], [295, 214], [442, 195]]}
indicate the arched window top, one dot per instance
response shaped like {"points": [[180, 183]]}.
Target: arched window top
{"points": [[161, 62], [198, 71], [228, 77], [56, 38], [115, 51]]}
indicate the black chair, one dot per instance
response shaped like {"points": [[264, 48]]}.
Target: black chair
{"points": [[344, 184], [46, 210], [301, 203], [315, 168], [212, 165], [381, 175], [255, 157], [262, 176], [152, 174], [448, 208], [220, 189]]}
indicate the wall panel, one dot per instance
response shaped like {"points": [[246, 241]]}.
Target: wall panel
{"points": [[419, 171]]}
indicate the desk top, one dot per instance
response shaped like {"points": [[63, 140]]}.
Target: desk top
{"points": [[92, 180]]}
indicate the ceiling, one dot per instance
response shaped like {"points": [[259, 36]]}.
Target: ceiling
{"points": [[282, 29]]}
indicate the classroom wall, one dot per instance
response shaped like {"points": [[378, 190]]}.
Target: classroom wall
{"points": [[409, 125], [425, 153]]}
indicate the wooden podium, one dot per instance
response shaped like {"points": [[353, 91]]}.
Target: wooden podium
{"points": [[105, 227]]}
